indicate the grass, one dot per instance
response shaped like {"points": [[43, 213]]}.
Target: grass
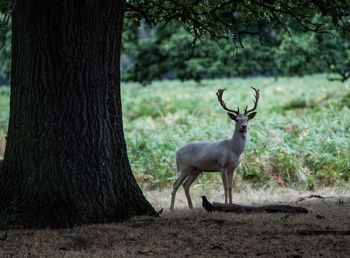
{"points": [[299, 138]]}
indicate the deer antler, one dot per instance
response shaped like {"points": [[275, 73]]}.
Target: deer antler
{"points": [[219, 94], [257, 95]]}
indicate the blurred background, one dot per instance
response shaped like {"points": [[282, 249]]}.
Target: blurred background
{"points": [[300, 137]]}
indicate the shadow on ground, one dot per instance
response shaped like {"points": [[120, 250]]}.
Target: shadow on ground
{"points": [[195, 233]]}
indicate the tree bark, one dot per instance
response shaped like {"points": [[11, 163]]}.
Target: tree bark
{"points": [[66, 161]]}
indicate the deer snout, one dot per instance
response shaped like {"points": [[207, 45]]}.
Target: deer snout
{"points": [[243, 128]]}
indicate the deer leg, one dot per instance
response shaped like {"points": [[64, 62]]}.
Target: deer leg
{"points": [[177, 183], [230, 177], [224, 183], [190, 179]]}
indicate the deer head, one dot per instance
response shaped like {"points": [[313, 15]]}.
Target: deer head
{"points": [[242, 120]]}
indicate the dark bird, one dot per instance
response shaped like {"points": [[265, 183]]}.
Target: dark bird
{"points": [[207, 205]]}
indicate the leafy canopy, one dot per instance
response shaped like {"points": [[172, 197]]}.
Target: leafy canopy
{"points": [[235, 18]]}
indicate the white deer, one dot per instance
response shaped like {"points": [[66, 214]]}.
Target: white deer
{"points": [[218, 156]]}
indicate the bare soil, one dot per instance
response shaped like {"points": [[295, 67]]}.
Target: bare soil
{"points": [[196, 233]]}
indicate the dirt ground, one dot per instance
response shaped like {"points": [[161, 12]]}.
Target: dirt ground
{"points": [[195, 233]]}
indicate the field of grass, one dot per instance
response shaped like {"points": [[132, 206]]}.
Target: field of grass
{"points": [[299, 138]]}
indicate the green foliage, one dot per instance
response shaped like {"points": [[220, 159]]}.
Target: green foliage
{"points": [[5, 6], [333, 53], [171, 53], [300, 145], [232, 19], [5, 51], [4, 109], [5, 56]]}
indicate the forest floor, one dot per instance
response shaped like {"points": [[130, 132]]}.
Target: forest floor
{"points": [[324, 231]]}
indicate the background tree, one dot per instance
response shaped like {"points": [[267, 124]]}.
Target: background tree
{"points": [[66, 161], [5, 49]]}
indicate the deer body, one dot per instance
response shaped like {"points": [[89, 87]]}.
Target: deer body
{"points": [[218, 156], [212, 156]]}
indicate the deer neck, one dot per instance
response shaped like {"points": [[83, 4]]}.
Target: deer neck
{"points": [[238, 141]]}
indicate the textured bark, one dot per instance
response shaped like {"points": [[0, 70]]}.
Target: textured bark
{"points": [[66, 160]]}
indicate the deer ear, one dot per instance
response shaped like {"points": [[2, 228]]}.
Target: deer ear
{"points": [[232, 116], [251, 115]]}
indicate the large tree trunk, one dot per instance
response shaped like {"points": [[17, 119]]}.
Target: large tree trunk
{"points": [[66, 161]]}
